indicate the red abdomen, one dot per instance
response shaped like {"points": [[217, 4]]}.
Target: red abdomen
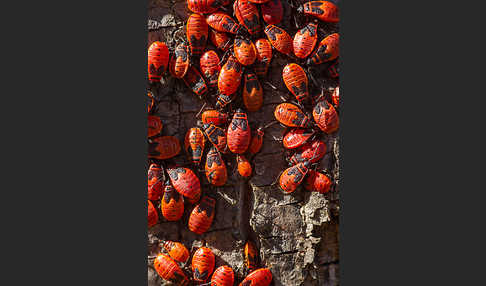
{"points": [[215, 117], [326, 117], [197, 33], [296, 138], [223, 276], [296, 81], [239, 133], [203, 6], [179, 62], [305, 40], [177, 251], [155, 182], [210, 67], [154, 125], [312, 151], [244, 166], [194, 144], [185, 182], [259, 277], [202, 215], [317, 182], [220, 40], [172, 205], [152, 216], [252, 92], [290, 115], [263, 56], [203, 264], [279, 39], [244, 51], [217, 136], [230, 76], [256, 141], [158, 58], [222, 22], [248, 16], [323, 10], [327, 50], [292, 177], [215, 168], [164, 147], [168, 269]]}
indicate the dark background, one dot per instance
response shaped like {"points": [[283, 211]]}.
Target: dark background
{"points": [[411, 81]]}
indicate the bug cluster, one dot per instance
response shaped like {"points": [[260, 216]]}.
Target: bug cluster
{"points": [[246, 36], [172, 267]]}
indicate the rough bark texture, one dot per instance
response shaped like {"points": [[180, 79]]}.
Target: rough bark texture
{"points": [[297, 235]]}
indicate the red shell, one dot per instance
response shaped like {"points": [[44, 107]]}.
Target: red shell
{"points": [[239, 133], [335, 96], [223, 276], [202, 215], [259, 277], [164, 147], [217, 136], [172, 205], [214, 116], [247, 15], [244, 51], [323, 10], [252, 92], [154, 125], [168, 269], [312, 151], [179, 61], [256, 141], [210, 67], [230, 76], [244, 166], [220, 40], [317, 182], [203, 6], [263, 56], [222, 22], [195, 82], [158, 58], [296, 138], [203, 264], [296, 81], [272, 12], [155, 182], [327, 50], [290, 115], [194, 144], [279, 39], [152, 216], [177, 251], [292, 177], [215, 168], [326, 117], [305, 40], [185, 182], [197, 33]]}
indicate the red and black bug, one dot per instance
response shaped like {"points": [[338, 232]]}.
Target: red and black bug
{"points": [[305, 40], [176, 250], [323, 10], [244, 166], [333, 70], [168, 269], [252, 92], [297, 137], [194, 144], [244, 51], [152, 216], [154, 125], [247, 15], [293, 176], [279, 39], [326, 117], [256, 141], [215, 168], [259, 277], [185, 182], [317, 182], [195, 82], [327, 50], [158, 58], [179, 62], [290, 115], [172, 205], [202, 215], [163, 147], [223, 276], [311, 151], [335, 96], [203, 264], [156, 183], [296, 81], [251, 256], [203, 6], [214, 116], [263, 57], [197, 33], [210, 67], [272, 12], [230, 76], [239, 133], [217, 136], [220, 40], [222, 22]]}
